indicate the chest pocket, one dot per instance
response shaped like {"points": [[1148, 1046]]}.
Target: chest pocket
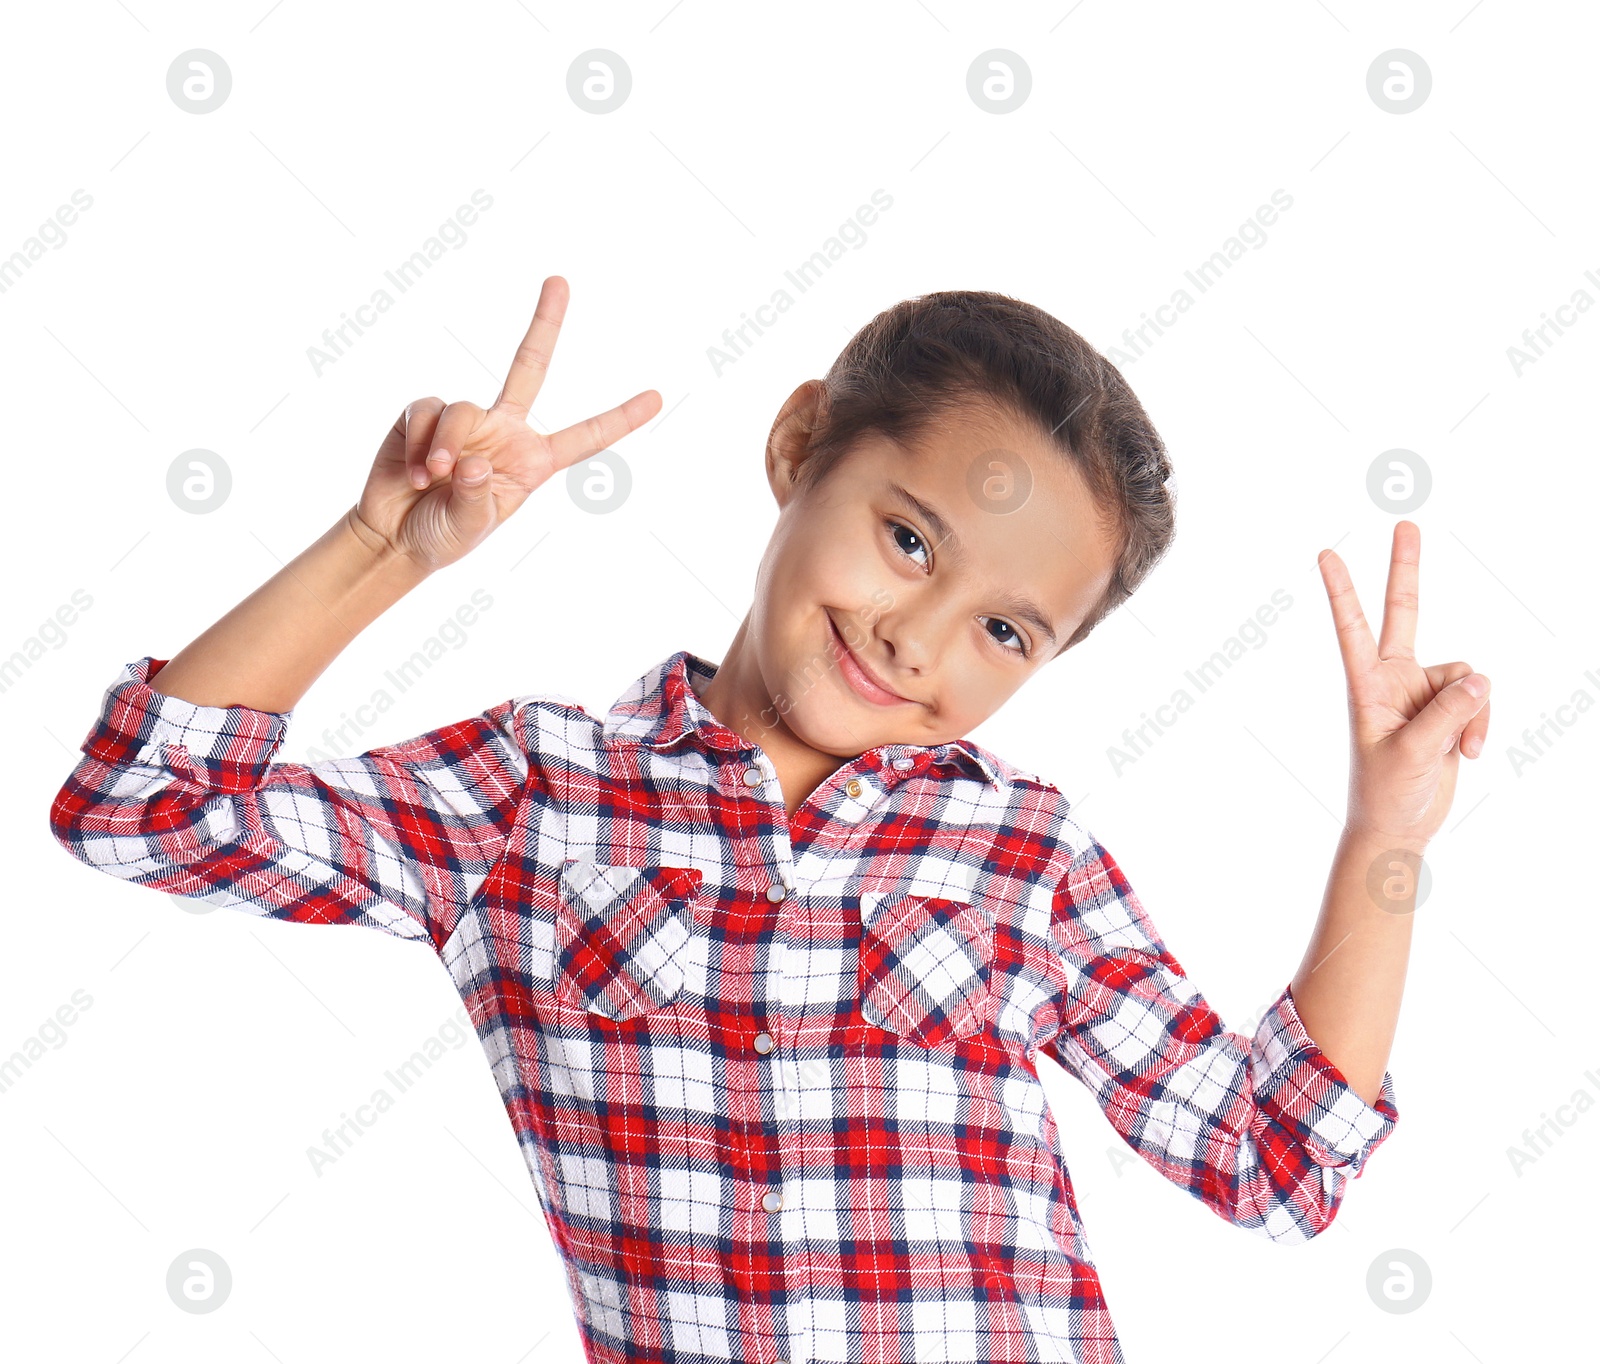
{"points": [[623, 935], [925, 965]]}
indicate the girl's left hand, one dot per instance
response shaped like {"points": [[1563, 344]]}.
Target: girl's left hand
{"points": [[1409, 724]]}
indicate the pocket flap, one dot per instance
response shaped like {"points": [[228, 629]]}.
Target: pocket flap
{"points": [[622, 934], [924, 964]]}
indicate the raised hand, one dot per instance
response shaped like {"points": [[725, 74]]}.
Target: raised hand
{"points": [[445, 477], [1409, 724]]}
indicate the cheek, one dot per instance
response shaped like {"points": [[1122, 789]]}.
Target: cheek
{"points": [[841, 570]]}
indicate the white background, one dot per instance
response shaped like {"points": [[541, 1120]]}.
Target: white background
{"points": [[178, 1109]]}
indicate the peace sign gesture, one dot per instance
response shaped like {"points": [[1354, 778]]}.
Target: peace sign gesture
{"points": [[1409, 724], [445, 477]]}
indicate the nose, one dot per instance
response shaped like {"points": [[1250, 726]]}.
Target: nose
{"points": [[913, 629]]}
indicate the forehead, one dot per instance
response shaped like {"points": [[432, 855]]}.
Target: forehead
{"points": [[1018, 512]]}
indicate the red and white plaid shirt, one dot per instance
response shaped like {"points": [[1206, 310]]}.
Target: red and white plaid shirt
{"points": [[775, 1080]]}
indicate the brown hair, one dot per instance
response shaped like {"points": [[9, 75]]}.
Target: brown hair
{"points": [[930, 355]]}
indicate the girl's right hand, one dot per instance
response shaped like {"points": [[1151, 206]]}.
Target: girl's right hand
{"points": [[445, 477]]}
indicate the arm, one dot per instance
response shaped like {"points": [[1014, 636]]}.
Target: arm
{"points": [[1350, 981], [268, 650], [185, 799], [177, 789], [1409, 728], [1263, 1129]]}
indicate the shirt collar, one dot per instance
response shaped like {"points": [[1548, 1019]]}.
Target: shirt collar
{"points": [[660, 708]]}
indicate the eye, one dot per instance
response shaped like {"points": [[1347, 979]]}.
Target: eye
{"points": [[898, 529], [1007, 641], [910, 543]]}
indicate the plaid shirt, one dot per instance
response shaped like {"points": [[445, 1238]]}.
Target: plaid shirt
{"points": [[775, 1080]]}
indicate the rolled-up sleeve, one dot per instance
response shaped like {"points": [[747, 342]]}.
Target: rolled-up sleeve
{"points": [[1263, 1129], [186, 799]]}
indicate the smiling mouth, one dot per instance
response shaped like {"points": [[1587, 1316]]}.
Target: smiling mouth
{"points": [[854, 672]]}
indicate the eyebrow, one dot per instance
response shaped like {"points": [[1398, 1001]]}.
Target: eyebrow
{"points": [[1020, 607]]}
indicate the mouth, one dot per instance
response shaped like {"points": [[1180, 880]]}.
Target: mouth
{"points": [[855, 673]]}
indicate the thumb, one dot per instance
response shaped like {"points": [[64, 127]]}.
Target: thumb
{"points": [[469, 489], [471, 502], [1438, 725]]}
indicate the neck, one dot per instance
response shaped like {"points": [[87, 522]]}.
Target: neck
{"points": [[739, 699]]}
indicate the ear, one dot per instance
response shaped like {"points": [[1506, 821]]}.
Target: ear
{"points": [[789, 441]]}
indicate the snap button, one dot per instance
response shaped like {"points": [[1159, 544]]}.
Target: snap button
{"points": [[903, 764], [852, 788], [763, 1042], [772, 1200], [753, 777], [776, 892]]}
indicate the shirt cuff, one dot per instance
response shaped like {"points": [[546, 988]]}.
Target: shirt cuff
{"points": [[223, 747], [1298, 1086]]}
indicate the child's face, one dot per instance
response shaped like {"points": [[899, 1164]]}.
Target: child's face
{"points": [[937, 614]]}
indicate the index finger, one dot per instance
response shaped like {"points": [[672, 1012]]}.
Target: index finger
{"points": [[532, 359], [1356, 647]]}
